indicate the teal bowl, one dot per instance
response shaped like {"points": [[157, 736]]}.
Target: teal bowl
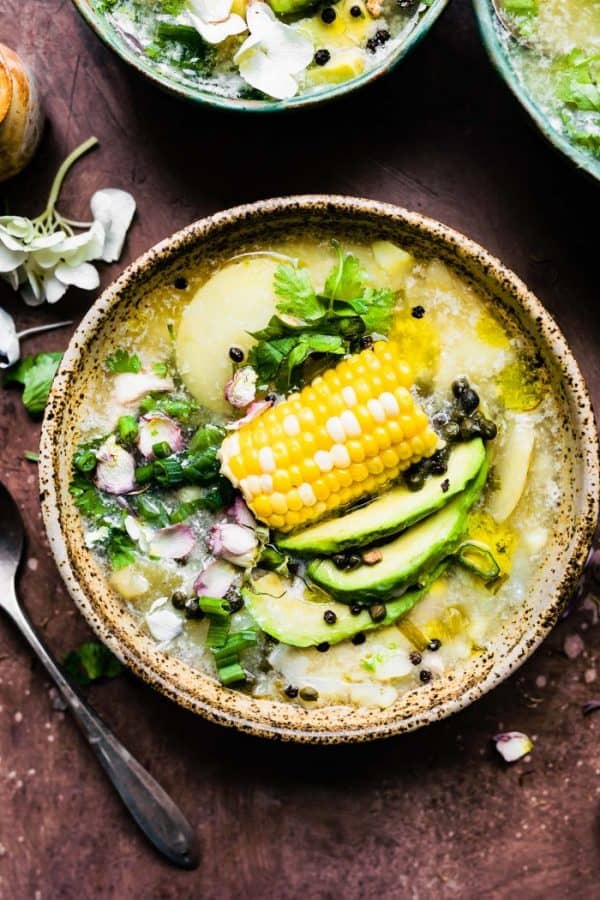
{"points": [[492, 35], [117, 42]]}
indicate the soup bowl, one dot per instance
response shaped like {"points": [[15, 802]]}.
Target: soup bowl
{"points": [[220, 236], [124, 47]]}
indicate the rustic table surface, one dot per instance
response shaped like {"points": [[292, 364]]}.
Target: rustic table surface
{"points": [[434, 814]]}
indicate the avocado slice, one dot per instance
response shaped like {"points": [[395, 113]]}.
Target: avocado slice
{"points": [[288, 7], [391, 512], [298, 621], [405, 559]]}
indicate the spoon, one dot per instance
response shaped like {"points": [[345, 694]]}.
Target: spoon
{"points": [[10, 348], [156, 814], [510, 25]]}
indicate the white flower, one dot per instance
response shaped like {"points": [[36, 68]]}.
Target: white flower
{"points": [[213, 19], [273, 53], [57, 261], [114, 209], [513, 745]]}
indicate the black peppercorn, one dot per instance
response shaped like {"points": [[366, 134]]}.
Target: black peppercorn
{"points": [[328, 15], [377, 612], [356, 12], [330, 617], [469, 400], [382, 36], [192, 610], [434, 644], [365, 342], [236, 354], [322, 647], [235, 604], [322, 57], [291, 691], [355, 609], [445, 485], [418, 312], [181, 283], [438, 463], [179, 599], [271, 397], [359, 638], [459, 386], [415, 658], [425, 675]]}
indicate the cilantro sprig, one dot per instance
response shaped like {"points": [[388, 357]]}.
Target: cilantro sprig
{"points": [[309, 323], [36, 374], [122, 361]]}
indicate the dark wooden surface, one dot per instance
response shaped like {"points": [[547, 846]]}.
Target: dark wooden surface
{"points": [[432, 815]]}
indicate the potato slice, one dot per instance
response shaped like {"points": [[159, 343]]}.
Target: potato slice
{"points": [[511, 466], [237, 299]]}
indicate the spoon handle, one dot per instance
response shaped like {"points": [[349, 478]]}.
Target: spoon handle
{"points": [[160, 819]]}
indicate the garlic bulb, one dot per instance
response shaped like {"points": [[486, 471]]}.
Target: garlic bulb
{"points": [[21, 116]]}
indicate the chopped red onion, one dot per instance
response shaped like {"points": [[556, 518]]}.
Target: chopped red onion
{"points": [[513, 745], [215, 580], [115, 471], [240, 390], [154, 428], [172, 542], [232, 542], [240, 513], [254, 410], [132, 386]]}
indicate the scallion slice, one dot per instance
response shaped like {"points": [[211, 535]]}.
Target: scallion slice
{"points": [[214, 606], [478, 558], [231, 673]]}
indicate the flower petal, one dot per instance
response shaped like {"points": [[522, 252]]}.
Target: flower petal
{"points": [[513, 745], [210, 10], [43, 241], [285, 46], [258, 70], [32, 291], [85, 246], [9, 342], [114, 210], [10, 259], [18, 226], [82, 276], [55, 289], [216, 32]]}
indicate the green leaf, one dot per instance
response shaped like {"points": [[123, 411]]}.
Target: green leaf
{"points": [[267, 356], [347, 278], [205, 437], [90, 662], [380, 310], [161, 369], [578, 80], [31, 456], [180, 408], [36, 374], [120, 549], [151, 509], [122, 361], [297, 293]]}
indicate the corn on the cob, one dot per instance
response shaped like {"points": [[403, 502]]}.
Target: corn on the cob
{"points": [[342, 438]]}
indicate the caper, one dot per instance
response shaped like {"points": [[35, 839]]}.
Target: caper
{"points": [[377, 612], [179, 599], [469, 400], [451, 431], [414, 478], [459, 386], [469, 429], [192, 610], [488, 429], [235, 604], [438, 463], [309, 694]]}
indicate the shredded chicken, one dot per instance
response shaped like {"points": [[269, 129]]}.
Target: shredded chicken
{"points": [[375, 8]]}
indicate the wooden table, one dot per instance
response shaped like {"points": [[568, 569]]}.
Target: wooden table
{"points": [[435, 814]]}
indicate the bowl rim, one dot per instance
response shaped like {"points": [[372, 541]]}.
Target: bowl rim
{"points": [[264, 717], [488, 29], [107, 35]]}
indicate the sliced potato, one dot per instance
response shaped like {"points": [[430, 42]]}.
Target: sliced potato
{"points": [[394, 260], [511, 466], [239, 298]]}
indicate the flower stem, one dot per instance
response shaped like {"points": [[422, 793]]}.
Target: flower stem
{"points": [[60, 175]]}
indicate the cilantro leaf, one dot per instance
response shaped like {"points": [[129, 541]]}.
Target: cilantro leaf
{"points": [[298, 296], [346, 280], [578, 80], [90, 662], [380, 304], [36, 374], [122, 361], [120, 549]]}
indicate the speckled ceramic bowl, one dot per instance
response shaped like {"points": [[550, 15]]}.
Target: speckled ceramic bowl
{"points": [[220, 236], [494, 39], [118, 42]]}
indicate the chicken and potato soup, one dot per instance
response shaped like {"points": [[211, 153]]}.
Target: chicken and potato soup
{"points": [[320, 472]]}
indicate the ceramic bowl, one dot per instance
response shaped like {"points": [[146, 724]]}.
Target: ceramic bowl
{"points": [[220, 236], [118, 42], [494, 39]]}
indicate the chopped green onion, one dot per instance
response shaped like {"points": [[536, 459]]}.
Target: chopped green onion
{"points": [[161, 369], [205, 437], [478, 558], [144, 474], [234, 645], [273, 559], [128, 429], [84, 459], [218, 629], [168, 472], [520, 7], [31, 456], [161, 449], [214, 606], [230, 674]]}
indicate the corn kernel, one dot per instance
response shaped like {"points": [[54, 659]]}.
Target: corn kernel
{"points": [[389, 458]]}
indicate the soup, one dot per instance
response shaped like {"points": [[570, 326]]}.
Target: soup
{"points": [[321, 472], [258, 50], [557, 56]]}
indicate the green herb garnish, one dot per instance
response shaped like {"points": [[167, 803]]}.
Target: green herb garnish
{"points": [[122, 361], [36, 374], [90, 662]]}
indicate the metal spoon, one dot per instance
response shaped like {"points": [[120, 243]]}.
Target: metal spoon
{"points": [[509, 25], [156, 814], [10, 348]]}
